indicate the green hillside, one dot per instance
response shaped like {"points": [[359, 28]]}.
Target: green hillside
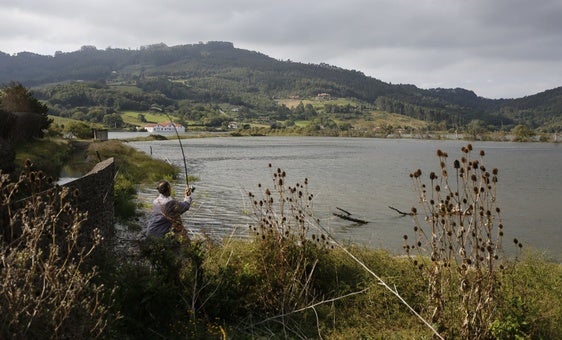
{"points": [[213, 83]]}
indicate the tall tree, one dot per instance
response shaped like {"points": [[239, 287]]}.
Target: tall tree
{"points": [[31, 115]]}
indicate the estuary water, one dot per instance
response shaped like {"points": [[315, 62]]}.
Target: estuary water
{"points": [[364, 177]]}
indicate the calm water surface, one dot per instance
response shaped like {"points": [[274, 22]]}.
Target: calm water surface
{"points": [[363, 176]]}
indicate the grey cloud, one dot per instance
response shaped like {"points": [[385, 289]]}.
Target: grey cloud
{"points": [[497, 48]]}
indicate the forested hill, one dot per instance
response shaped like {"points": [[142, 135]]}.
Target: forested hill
{"points": [[217, 73]]}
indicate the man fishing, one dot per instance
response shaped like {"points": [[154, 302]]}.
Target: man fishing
{"points": [[166, 212]]}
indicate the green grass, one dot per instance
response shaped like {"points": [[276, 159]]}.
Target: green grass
{"points": [[138, 166], [240, 294], [79, 157], [47, 154], [66, 121], [302, 123], [380, 118], [317, 103], [132, 117]]}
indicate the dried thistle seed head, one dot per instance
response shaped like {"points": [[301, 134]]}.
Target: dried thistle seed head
{"points": [[482, 153], [270, 165], [495, 171], [457, 164], [469, 147], [432, 176]]}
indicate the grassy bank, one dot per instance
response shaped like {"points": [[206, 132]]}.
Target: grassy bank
{"points": [[290, 279], [74, 158]]}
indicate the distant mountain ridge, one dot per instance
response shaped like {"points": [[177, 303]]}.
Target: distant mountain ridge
{"points": [[218, 72]]}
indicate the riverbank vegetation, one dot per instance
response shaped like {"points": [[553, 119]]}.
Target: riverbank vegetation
{"points": [[58, 157], [290, 279]]}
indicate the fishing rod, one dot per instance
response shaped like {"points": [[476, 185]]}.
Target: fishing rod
{"points": [[192, 188]]}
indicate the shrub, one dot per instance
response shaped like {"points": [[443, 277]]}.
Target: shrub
{"points": [[161, 296]]}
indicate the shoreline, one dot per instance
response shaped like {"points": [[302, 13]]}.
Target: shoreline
{"points": [[146, 136]]}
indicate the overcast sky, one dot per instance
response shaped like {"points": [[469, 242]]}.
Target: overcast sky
{"points": [[497, 48]]}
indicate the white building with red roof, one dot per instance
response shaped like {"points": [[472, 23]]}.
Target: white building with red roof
{"points": [[164, 127]]}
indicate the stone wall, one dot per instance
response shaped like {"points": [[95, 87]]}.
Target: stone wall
{"points": [[95, 195]]}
